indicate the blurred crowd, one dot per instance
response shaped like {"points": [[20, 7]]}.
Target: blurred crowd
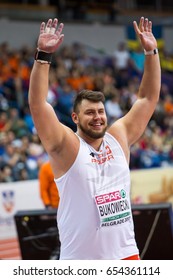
{"points": [[74, 68]]}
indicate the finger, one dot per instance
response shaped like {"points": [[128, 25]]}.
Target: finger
{"points": [[42, 27], [54, 26], [60, 40], [141, 24], [150, 26], [55, 22], [136, 27], [60, 28], [48, 26], [146, 24]]}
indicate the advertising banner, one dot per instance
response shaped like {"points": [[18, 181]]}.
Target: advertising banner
{"points": [[23, 195], [152, 185]]}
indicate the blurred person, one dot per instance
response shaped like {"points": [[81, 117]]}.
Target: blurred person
{"points": [[93, 178], [28, 120], [64, 105], [23, 174], [15, 158], [121, 57], [77, 80], [4, 121], [168, 105], [137, 61], [17, 124], [10, 155], [113, 11], [48, 189], [113, 108], [36, 155], [6, 173]]}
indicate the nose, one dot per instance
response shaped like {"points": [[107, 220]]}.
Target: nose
{"points": [[96, 115]]}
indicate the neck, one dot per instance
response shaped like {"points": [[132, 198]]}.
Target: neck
{"points": [[95, 143]]}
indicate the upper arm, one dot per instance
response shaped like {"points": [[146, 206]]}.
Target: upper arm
{"points": [[130, 128], [136, 120], [49, 129], [59, 141]]}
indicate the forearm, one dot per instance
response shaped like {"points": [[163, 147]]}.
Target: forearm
{"points": [[151, 81], [39, 82]]}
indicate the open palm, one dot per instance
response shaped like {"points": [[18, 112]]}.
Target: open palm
{"points": [[50, 38], [144, 33]]}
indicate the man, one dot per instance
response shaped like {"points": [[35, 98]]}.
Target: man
{"points": [[48, 189], [91, 165]]}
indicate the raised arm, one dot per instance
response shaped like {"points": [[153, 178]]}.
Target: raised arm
{"points": [[55, 137], [129, 128]]}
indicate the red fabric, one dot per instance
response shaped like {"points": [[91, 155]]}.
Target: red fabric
{"points": [[134, 257]]}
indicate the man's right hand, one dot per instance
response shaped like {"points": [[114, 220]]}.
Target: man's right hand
{"points": [[50, 37]]}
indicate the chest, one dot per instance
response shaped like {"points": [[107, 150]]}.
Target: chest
{"points": [[101, 171]]}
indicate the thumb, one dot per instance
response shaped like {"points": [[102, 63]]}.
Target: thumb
{"points": [[60, 40]]}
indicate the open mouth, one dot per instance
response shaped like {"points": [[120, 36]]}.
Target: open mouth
{"points": [[97, 125]]}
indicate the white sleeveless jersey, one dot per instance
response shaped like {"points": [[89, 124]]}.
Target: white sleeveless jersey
{"points": [[94, 216]]}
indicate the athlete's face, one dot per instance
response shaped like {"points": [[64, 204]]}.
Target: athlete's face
{"points": [[91, 119]]}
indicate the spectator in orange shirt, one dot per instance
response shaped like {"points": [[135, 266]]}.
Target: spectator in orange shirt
{"points": [[168, 104], [48, 190]]}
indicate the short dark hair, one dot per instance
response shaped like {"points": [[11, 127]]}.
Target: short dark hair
{"points": [[94, 96]]}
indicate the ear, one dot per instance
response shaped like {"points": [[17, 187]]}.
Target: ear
{"points": [[74, 117]]}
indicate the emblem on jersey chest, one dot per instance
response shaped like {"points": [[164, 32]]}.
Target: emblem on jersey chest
{"points": [[102, 157]]}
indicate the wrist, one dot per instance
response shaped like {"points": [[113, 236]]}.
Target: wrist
{"points": [[152, 52], [43, 57]]}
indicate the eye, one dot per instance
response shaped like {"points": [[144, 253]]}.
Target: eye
{"points": [[89, 113]]}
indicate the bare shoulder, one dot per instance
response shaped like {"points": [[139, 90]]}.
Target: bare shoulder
{"points": [[63, 159], [118, 131]]}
